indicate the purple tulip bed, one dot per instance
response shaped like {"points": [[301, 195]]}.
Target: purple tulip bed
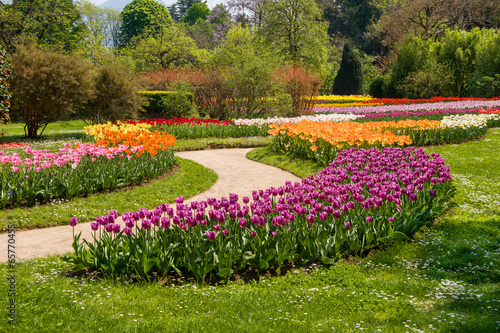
{"points": [[365, 198]]}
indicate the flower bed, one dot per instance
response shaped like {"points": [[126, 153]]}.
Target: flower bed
{"points": [[193, 128], [180, 121], [11, 145], [398, 101], [293, 120], [431, 114], [321, 141], [467, 104], [40, 176], [123, 155], [363, 199], [130, 135]]}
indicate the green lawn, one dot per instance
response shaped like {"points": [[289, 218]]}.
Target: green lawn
{"points": [[445, 280]]}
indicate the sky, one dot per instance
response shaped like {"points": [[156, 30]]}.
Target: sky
{"points": [[210, 3]]}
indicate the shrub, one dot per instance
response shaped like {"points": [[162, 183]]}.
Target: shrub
{"points": [[48, 86], [114, 96], [212, 95], [245, 92], [169, 103], [349, 79], [485, 86], [302, 85], [430, 81], [377, 87]]}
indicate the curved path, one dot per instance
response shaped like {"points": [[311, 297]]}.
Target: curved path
{"points": [[237, 174]]}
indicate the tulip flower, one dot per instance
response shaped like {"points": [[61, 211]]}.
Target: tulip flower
{"points": [[210, 235]]}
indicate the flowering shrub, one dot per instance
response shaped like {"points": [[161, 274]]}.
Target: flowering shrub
{"points": [[40, 176], [363, 199]]}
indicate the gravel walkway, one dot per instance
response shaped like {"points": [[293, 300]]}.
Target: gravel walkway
{"points": [[237, 174]]}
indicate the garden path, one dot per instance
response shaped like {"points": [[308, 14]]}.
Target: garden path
{"points": [[237, 174]]}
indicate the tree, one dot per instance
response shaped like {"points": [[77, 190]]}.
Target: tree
{"points": [[351, 19], [349, 79], [202, 34], [115, 94], [294, 28], [248, 12], [4, 87], [102, 31], [140, 16], [197, 11], [47, 86], [164, 47], [430, 18], [220, 19], [240, 78], [182, 7], [103, 24], [55, 23]]}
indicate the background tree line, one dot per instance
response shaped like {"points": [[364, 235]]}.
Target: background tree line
{"points": [[397, 48]]}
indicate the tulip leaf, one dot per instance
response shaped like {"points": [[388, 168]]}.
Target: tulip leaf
{"points": [[225, 272], [263, 264]]}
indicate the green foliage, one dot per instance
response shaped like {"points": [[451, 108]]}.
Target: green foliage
{"points": [[196, 11], [240, 83], [202, 34], [485, 86], [182, 8], [378, 86], [351, 19], [411, 57], [114, 95], [142, 16], [56, 24], [462, 59], [349, 79], [48, 86], [4, 87], [431, 80], [163, 47], [457, 51], [294, 29], [101, 33], [169, 103]]}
